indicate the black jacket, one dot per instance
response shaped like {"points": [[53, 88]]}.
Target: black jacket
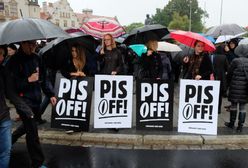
{"points": [[151, 66], [20, 67], [205, 68], [69, 68], [4, 111], [111, 61], [220, 67], [238, 80]]}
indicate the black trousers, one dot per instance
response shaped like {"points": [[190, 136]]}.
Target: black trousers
{"points": [[29, 128]]}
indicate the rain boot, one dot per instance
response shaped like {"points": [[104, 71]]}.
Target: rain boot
{"points": [[241, 121], [233, 115]]}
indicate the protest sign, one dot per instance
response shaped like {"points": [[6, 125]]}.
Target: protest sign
{"points": [[154, 105], [113, 101], [72, 110], [198, 106]]}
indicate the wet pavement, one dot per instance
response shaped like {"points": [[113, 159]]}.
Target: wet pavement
{"points": [[58, 156]]}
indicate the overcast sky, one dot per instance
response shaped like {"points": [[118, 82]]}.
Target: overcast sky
{"points": [[129, 11]]}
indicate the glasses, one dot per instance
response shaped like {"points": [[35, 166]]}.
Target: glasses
{"points": [[107, 39]]}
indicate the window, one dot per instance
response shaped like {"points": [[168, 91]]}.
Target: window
{"points": [[57, 22], [65, 23], [72, 23]]}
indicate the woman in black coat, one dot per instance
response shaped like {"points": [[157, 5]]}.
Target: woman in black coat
{"points": [[76, 64], [150, 62], [111, 59], [198, 66], [237, 79]]}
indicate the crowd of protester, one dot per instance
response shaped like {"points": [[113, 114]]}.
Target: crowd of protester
{"points": [[24, 77]]}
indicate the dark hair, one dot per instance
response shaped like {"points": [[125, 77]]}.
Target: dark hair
{"points": [[197, 41], [12, 46]]}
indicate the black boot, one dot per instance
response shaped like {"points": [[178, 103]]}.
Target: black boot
{"points": [[233, 115], [241, 121]]}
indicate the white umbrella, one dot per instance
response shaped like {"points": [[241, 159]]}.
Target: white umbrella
{"points": [[168, 47], [224, 38]]}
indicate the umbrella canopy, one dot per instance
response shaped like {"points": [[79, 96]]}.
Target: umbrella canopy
{"points": [[139, 49], [189, 39], [225, 29], [225, 38], [97, 27], [210, 38], [28, 29], [168, 47], [72, 30], [145, 33], [241, 50], [177, 56], [58, 52], [244, 41]]}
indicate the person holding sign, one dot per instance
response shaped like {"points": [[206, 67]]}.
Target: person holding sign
{"points": [[76, 65], [198, 66], [110, 59], [151, 64], [237, 80]]}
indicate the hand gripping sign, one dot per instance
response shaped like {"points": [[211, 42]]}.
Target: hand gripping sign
{"points": [[198, 106], [72, 110], [113, 101]]}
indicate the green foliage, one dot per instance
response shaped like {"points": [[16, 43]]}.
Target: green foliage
{"points": [[182, 7], [132, 26], [179, 22]]}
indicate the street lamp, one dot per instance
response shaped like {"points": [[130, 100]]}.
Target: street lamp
{"points": [[190, 14], [221, 7]]}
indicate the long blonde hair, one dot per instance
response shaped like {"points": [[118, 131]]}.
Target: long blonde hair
{"points": [[81, 58], [152, 45], [113, 44]]}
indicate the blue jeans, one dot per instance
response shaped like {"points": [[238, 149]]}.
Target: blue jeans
{"points": [[5, 143]]}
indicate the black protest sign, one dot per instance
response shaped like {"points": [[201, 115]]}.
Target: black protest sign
{"points": [[154, 105], [72, 110]]}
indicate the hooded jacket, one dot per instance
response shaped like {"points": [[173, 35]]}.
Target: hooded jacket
{"points": [[237, 77]]}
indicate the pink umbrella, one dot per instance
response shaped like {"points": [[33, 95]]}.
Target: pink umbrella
{"points": [[97, 27], [189, 38]]}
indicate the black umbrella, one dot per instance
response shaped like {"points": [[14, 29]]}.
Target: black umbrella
{"points": [[56, 53], [28, 29], [186, 51], [148, 32], [225, 29]]}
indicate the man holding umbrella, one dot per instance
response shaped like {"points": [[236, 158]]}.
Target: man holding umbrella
{"points": [[26, 69]]}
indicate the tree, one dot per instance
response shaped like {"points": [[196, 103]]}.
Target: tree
{"points": [[179, 22], [182, 7], [132, 26]]}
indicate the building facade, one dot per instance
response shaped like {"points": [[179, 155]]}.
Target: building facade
{"points": [[14, 9], [60, 13]]}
